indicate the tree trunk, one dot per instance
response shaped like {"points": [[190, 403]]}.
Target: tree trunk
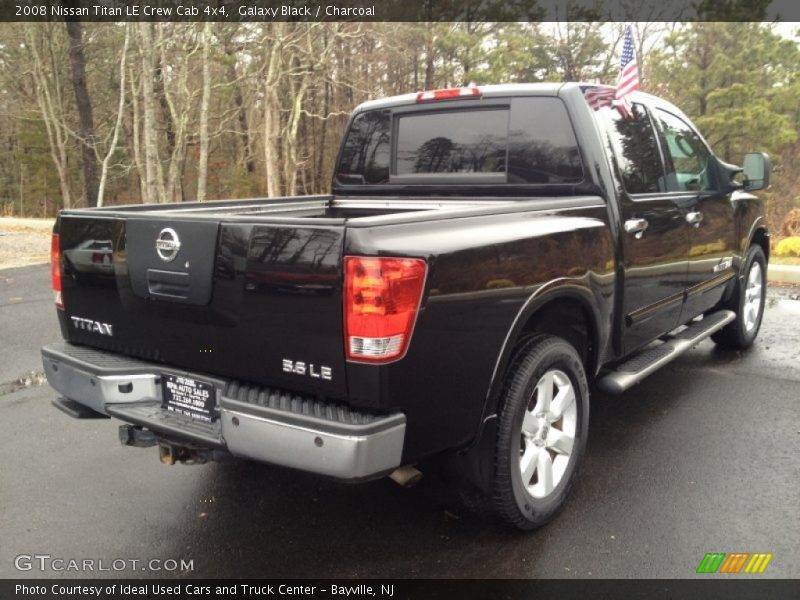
{"points": [[136, 137], [202, 167], [241, 109], [271, 123], [152, 192], [318, 176], [272, 115], [429, 57], [83, 103], [166, 114]]}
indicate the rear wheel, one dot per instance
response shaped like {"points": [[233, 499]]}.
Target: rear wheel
{"points": [[541, 432], [748, 303]]}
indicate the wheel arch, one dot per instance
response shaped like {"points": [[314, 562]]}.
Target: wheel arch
{"points": [[475, 462], [564, 309], [761, 237], [758, 233]]}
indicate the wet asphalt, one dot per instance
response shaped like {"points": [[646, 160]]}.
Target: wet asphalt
{"points": [[703, 456]]}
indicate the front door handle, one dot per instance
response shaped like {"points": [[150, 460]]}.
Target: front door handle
{"points": [[694, 218], [636, 227]]}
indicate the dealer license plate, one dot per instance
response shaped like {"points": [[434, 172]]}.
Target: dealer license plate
{"points": [[191, 397]]}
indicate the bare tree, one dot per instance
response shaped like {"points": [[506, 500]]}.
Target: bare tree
{"points": [[181, 40], [49, 98], [112, 147], [232, 48], [83, 104]]}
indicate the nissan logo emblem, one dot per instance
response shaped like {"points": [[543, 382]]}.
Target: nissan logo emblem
{"points": [[168, 244]]}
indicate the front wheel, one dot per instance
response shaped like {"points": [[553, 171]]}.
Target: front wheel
{"points": [[748, 303], [541, 433]]}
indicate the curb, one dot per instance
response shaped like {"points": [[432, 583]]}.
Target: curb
{"points": [[783, 273]]}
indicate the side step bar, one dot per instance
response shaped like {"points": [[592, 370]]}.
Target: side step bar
{"points": [[640, 366]]}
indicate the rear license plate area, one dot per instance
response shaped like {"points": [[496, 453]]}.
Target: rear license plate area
{"points": [[189, 397]]}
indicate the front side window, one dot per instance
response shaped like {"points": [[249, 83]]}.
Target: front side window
{"points": [[687, 155], [632, 143]]}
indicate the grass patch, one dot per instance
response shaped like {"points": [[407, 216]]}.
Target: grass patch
{"points": [[784, 260]]}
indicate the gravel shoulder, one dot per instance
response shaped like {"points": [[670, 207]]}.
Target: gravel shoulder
{"points": [[24, 242]]}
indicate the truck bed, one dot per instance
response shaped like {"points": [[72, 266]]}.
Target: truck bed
{"points": [[323, 208]]}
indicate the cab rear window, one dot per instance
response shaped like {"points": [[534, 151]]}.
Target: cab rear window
{"points": [[522, 141], [464, 141]]}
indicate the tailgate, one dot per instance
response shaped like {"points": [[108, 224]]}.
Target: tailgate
{"points": [[253, 301]]}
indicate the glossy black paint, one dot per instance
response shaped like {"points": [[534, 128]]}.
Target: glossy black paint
{"points": [[187, 276], [484, 272], [676, 270], [498, 257]]}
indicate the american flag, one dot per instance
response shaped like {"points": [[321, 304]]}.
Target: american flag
{"points": [[627, 81], [598, 97]]}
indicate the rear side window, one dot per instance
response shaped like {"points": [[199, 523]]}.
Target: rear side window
{"points": [[366, 151], [632, 144], [526, 140], [542, 145], [464, 141]]}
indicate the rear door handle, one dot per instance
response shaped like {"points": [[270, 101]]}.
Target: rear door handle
{"points": [[636, 227], [694, 218]]}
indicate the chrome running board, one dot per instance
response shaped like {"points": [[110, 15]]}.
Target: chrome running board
{"points": [[643, 364]]}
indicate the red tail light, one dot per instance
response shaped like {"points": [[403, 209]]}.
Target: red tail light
{"points": [[449, 94], [55, 269], [382, 297]]}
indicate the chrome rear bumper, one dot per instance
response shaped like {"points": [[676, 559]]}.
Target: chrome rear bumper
{"points": [[258, 423]]}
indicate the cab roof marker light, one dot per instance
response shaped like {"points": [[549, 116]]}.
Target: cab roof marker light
{"points": [[449, 94]]}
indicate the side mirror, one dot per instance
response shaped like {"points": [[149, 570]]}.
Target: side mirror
{"points": [[726, 175], [757, 167]]}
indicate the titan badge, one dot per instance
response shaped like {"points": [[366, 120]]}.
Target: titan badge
{"points": [[93, 326]]}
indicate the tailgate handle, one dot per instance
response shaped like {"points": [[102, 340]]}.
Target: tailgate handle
{"points": [[168, 284]]}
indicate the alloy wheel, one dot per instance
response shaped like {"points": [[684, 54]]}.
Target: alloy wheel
{"points": [[548, 433]]}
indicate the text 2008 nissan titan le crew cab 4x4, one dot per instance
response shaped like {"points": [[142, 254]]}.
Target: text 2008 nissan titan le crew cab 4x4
{"points": [[485, 254]]}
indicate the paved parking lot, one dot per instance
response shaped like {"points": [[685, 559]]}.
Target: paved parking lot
{"points": [[703, 456]]}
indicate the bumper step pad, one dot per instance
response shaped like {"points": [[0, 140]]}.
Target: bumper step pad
{"points": [[295, 404]]}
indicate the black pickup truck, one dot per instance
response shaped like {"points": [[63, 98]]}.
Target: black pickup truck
{"points": [[485, 255]]}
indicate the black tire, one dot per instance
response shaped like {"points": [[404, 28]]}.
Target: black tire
{"points": [[513, 501], [737, 334]]}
